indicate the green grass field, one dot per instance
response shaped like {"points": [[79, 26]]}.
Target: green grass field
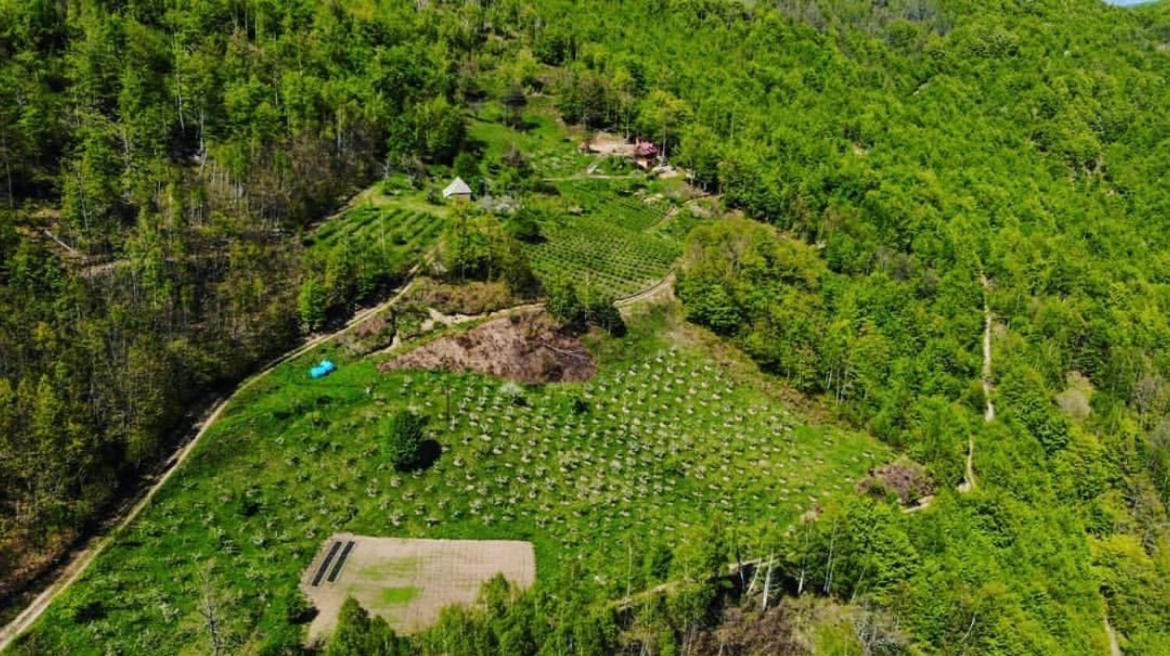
{"points": [[672, 435], [549, 146], [402, 595]]}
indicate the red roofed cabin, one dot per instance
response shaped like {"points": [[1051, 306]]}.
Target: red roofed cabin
{"points": [[645, 154]]}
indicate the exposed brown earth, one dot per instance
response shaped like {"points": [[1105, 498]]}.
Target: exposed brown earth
{"points": [[527, 346], [607, 143], [907, 480]]}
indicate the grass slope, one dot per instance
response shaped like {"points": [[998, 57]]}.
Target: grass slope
{"points": [[674, 433], [547, 144]]}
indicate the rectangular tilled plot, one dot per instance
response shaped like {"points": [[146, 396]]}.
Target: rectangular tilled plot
{"points": [[408, 581]]}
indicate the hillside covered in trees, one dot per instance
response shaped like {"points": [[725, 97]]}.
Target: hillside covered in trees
{"points": [[947, 227]]}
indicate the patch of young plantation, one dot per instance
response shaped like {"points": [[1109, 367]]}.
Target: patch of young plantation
{"points": [[659, 441], [639, 448], [594, 250], [392, 227], [619, 241], [608, 200]]}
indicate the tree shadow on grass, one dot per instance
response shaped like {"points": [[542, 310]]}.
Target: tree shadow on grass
{"points": [[428, 452]]}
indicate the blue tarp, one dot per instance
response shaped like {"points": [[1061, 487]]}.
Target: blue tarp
{"points": [[322, 368]]}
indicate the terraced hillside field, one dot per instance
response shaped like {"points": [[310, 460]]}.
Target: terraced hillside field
{"points": [[617, 202]]}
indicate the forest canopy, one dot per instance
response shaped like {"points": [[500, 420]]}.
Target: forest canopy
{"points": [[898, 172]]}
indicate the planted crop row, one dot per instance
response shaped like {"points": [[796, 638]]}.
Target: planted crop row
{"points": [[600, 200], [397, 227], [587, 248], [346, 223]]}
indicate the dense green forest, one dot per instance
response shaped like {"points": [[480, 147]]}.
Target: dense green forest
{"points": [[904, 170]]}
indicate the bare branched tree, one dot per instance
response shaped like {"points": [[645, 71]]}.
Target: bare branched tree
{"points": [[209, 608]]}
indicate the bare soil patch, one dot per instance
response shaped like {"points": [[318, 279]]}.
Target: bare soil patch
{"points": [[905, 479], [525, 346], [409, 581], [607, 143], [378, 332]]}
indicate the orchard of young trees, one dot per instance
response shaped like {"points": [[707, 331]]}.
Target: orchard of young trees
{"points": [[904, 170]]}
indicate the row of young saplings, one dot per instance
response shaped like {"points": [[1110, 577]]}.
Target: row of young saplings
{"points": [[584, 445]]}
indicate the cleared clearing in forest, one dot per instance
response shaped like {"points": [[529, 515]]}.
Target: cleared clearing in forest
{"points": [[407, 582]]}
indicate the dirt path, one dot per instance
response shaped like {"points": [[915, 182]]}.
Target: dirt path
{"points": [[436, 318], [589, 176], [968, 483], [989, 414], [668, 586], [454, 319], [1114, 646], [80, 560], [667, 218], [690, 205], [60, 242], [106, 268], [654, 292], [921, 504], [662, 288]]}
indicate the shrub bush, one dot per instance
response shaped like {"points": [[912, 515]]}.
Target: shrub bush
{"points": [[404, 445]]}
